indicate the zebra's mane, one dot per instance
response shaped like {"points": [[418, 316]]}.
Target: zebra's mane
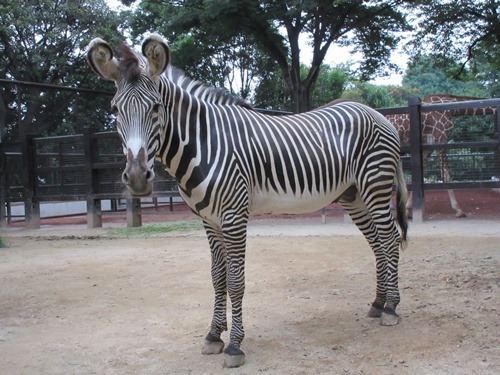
{"points": [[131, 64], [203, 92]]}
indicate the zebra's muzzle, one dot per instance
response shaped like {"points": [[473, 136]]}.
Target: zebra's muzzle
{"points": [[137, 176]]}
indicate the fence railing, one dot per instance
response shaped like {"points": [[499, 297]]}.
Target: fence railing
{"points": [[87, 167], [418, 146]]}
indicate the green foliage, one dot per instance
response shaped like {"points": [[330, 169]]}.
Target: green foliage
{"points": [[473, 128], [157, 228], [45, 42], [429, 75], [330, 85], [2, 243], [458, 30], [274, 28], [375, 96], [271, 92]]}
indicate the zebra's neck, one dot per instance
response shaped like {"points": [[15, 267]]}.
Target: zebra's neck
{"points": [[190, 137]]}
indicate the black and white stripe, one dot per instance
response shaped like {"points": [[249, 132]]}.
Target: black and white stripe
{"points": [[231, 161]]}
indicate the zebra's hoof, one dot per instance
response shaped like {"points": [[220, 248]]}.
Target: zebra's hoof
{"points": [[389, 318], [374, 312], [460, 213], [212, 345], [233, 357]]}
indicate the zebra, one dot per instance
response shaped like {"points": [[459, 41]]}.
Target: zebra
{"points": [[231, 161]]}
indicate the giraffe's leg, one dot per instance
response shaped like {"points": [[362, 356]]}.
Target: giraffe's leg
{"points": [[445, 172], [213, 343], [235, 229], [455, 205]]}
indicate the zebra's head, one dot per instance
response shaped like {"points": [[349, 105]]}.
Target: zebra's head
{"points": [[137, 103]]}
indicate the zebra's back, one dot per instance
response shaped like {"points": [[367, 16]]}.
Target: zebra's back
{"points": [[301, 163]]}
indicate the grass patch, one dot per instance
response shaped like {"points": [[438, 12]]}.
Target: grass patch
{"points": [[2, 243], [157, 228]]}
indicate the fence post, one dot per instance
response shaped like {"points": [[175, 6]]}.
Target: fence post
{"points": [[417, 175], [3, 195], [497, 151], [31, 203], [94, 216], [134, 218]]}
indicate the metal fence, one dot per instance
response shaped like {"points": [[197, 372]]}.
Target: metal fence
{"points": [[88, 167]]}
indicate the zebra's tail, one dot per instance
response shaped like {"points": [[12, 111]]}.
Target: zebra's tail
{"points": [[401, 198]]}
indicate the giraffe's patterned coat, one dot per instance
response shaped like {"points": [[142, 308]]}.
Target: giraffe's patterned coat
{"points": [[437, 127]]}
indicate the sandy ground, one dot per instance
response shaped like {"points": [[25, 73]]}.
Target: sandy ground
{"points": [[79, 301]]}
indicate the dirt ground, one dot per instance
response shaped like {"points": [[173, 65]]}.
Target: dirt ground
{"points": [[80, 301]]}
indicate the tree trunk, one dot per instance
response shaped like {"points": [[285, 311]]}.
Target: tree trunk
{"points": [[301, 98], [302, 91], [3, 117]]}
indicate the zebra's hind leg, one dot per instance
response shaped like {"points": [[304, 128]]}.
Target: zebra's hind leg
{"points": [[213, 343], [381, 307], [389, 239], [361, 217]]}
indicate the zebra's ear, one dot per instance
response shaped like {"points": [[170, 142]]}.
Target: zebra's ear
{"points": [[101, 60], [157, 52]]}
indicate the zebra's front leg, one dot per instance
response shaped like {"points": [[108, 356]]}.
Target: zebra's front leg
{"points": [[235, 233], [233, 355], [213, 343]]}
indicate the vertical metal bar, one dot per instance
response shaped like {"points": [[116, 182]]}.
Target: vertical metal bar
{"points": [[417, 175]]}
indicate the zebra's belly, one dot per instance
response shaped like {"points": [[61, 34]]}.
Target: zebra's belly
{"points": [[274, 203]]}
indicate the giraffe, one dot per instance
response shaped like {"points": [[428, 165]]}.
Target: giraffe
{"points": [[437, 127]]}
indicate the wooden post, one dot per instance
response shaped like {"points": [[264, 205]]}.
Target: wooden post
{"points": [[134, 218], [497, 151], [94, 215], [417, 175], [31, 203], [3, 194]]}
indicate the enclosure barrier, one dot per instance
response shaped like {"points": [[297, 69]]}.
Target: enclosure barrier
{"points": [[87, 167], [489, 143]]}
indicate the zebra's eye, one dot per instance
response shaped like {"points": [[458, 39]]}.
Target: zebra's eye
{"points": [[114, 109], [156, 107]]}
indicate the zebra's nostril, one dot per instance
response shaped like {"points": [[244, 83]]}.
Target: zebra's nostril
{"points": [[149, 175], [125, 178]]}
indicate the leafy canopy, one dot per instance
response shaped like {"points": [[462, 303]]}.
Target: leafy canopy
{"points": [[369, 27], [462, 30], [44, 42]]}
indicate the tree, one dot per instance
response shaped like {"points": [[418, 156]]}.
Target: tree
{"points": [[427, 74], [461, 30], [44, 42], [370, 27], [375, 96], [271, 92], [233, 64]]}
